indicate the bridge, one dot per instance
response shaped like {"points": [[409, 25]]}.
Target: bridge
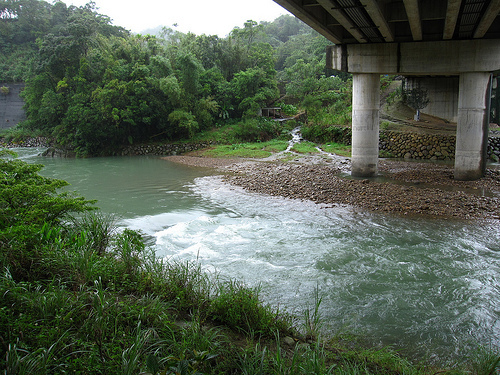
{"points": [[449, 47]]}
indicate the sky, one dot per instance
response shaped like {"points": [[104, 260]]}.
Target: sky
{"points": [[211, 17]]}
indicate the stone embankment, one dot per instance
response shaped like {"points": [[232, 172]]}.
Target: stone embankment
{"points": [[427, 146], [28, 142], [494, 148], [163, 149], [392, 144], [132, 150], [422, 146], [417, 146]]}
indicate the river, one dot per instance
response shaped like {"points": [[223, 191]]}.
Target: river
{"points": [[430, 287]]}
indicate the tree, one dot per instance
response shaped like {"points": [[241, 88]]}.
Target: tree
{"points": [[253, 89], [417, 99], [248, 35]]}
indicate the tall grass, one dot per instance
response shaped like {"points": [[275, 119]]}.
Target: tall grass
{"points": [[106, 304]]}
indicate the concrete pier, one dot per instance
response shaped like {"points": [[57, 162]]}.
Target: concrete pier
{"points": [[472, 127], [470, 62], [365, 124]]}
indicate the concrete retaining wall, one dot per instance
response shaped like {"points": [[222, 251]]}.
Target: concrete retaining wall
{"points": [[11, 106], [442, 93]]}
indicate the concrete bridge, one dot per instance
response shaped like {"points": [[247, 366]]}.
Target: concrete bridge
{"points": [[450, 47]]}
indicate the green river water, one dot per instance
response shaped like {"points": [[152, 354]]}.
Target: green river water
{"points": [[428, 287]]}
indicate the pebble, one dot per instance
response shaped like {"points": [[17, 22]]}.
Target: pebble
{"points": [[409, 188]]}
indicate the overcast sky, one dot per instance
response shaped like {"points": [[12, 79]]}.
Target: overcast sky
{"points": [[198, 16]]}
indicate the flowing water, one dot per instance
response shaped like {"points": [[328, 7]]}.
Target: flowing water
{"points": [[428, 286]]}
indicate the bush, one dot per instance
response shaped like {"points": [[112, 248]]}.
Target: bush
{"points": [[324, 134], [259, 130], [241, 309]]}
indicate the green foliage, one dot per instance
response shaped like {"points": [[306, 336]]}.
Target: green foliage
{"points": [[386, 80], [29, 205], [305, 148], [26, 198], [16, 62], [289, 109], [337, 148], [4, 90], [257, 130], [395, 96], [324, 134], [416, 98], [184, 120], [94, 87], [252, 89], [241, 309]]}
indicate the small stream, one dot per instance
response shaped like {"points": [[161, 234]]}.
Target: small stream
{"points": [[430, 287]]}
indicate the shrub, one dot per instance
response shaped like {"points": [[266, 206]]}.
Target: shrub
{"points": [[259, 130], [324, 134], [240, 308]]}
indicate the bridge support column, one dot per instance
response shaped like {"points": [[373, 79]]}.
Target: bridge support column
{"points": [[365, 124], [472, 126]]}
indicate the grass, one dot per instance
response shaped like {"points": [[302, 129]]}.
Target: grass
{"points": [[247, 150], [247, 130], [337, 148], [305, 148]]}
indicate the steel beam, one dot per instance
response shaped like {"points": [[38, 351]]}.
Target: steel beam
{"points": [[340, 16]]}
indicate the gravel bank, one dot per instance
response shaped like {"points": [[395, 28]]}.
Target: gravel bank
{"points": [[404, 188]]}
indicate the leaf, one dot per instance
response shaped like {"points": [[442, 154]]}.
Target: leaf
{"points": [[152, 364]]}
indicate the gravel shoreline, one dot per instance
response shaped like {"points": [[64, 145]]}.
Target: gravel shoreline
{"points": [[403, 188]]}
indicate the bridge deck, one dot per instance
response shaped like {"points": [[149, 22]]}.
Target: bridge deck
{"points": [[386, 21]]}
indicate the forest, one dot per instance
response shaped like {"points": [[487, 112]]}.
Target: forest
{"points": [[92, 86]]}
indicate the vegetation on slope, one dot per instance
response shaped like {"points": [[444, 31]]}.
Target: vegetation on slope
{"points": [[92, 86]]}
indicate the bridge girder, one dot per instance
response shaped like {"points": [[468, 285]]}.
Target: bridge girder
{"points": [[386, 21]]}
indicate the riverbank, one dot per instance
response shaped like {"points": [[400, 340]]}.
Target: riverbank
{"points": [[402, 188]]}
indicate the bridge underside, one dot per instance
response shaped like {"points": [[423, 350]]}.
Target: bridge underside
{"points": [[412, 38], [473, 61]]}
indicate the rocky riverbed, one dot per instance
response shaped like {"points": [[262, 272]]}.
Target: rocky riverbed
{"points": [[403, 188]]}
